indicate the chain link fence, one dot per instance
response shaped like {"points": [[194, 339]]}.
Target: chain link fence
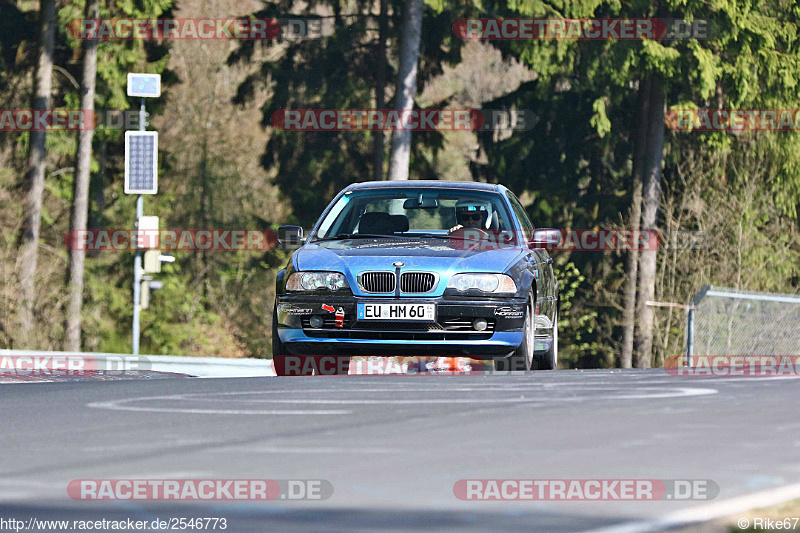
{"points": [[725, 321]]}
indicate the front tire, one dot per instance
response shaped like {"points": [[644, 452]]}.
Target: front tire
{"points": [[278, 350], [549, 359], [523, 357], [279, 353], [319, 365]]}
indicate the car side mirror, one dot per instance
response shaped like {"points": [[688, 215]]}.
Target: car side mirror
{"points": [[545, 238], [290, 236]]}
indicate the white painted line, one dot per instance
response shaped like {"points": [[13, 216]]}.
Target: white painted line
{"points": [[519, 397], [307, 450], [676, 393], [12, 381], [358, 391], [115, 406], [417, 401], [705, 513], [723, 379]]}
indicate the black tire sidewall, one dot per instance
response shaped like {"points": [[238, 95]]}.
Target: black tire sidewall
{"points": [[518, 360], [544, 361], [278, 353]]}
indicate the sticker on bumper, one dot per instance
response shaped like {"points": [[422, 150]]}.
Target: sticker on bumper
{"points": [[296, 311], [509, 312]]}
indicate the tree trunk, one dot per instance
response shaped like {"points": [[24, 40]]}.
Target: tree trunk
{"points": [[34, 176], [632, 271], [380, 88], [97, 189], [80, 196], [652, 180], [410, 35], [632, 263], [205, 196]]}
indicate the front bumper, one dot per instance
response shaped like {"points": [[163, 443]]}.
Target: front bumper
{"points": [[451, 334]]}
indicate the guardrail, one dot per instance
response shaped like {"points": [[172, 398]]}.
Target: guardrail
{"points": [[201, 367]]}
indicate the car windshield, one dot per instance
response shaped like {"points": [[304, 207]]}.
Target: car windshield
{"points": [[414, 212]]}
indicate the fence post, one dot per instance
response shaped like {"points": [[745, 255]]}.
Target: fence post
{"points": [[689, 336], [690, 323]]}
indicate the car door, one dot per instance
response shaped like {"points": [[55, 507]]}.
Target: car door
{"points": [[540, 263]]}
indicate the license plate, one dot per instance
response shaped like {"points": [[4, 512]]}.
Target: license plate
{"points": [[421, 312]]}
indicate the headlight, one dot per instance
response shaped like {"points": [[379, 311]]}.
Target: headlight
{"points": [[497, 283], [312, 281]]}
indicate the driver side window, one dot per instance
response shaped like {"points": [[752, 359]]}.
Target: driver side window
{"points": [[519, 211]]}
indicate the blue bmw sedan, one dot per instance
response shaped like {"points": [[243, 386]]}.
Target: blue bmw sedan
{"points": [[419, 268]]}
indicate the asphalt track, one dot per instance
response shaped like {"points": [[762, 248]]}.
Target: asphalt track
{"points": [[394, 446]]}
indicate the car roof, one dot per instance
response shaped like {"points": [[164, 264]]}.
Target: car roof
{"points": [[427, 184]]}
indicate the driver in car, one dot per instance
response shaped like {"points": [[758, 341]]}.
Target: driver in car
{"points": [[471, 214]]}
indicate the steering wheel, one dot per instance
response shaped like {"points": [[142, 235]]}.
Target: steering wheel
{"points": [[469, 234]]}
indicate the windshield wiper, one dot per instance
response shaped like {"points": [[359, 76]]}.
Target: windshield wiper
{"points": [[342, 236], [432, 236], [354, 236]]}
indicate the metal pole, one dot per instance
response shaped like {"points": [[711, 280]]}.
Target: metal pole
{"points": [[137, 283], [137, 260], [690, 322], [689, 336]]}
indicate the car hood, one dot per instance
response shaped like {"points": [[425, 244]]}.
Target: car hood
{"points": [[440, 256]]}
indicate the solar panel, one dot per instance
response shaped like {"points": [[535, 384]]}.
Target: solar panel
{"points": [[141, 162], [145, 85]]}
